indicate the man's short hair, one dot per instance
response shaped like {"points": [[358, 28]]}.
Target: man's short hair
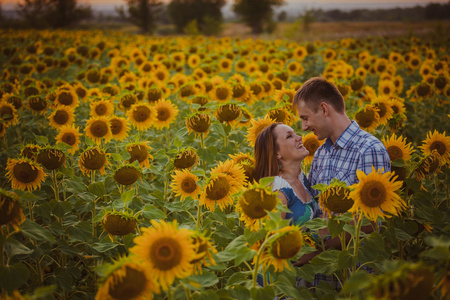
{"points": [[317, 90]]}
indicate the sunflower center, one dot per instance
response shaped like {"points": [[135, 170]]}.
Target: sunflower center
{"points": [[101, 109], [65, 98], [163, 114], [166, 253], [25, 173], [99, 128], [37, 103], [337, 200], [69, 138], [278, 115], [423, 90], [126, 175], [6, 110], [154, 94], [238, 90], [222, 93], [395, 152], [141, 113], [439, 146], [365, 117], [116, 126], [228, 112], [188, 185], [311, 146], [127, 100], [254, 203], [61, 117], [185, 160], [200, 123], [373, 194], [129, 286], [288, 245], [218, 189], [51, 158], [93, 159], [138, 153]]}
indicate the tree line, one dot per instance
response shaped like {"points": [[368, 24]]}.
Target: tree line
{"points": [[203, 16]]}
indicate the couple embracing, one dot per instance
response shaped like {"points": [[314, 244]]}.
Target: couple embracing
{"points": [[279, 152]]}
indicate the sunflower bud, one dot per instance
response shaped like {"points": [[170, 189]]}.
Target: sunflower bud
{"points": [[51, 159], [118, 224]]}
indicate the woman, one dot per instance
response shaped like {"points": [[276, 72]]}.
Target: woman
{"points": [[279, 152]]}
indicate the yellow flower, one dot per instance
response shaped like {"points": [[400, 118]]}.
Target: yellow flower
{"points": [[139, 152], [256, 127], [397, 147], [336, 199], [185, 159], [311, 143], [439, 142], [127, 175], [428, 165], [168, 250], [329, 55], [166, 112], [66, 97], [8, 114], [98, 128], [228, 113], [62, 116], [142, 116], [128, 279], [119, 128], [255, 201], [367, 118], [102, 108], [37, 104], [375, 195], [384, 109], [10, 211], [219, 189], [221, 93], [300, 53], [51, 158], [24, 174], [69, 135], [198, 123], [193, 61], [185, 184], [225, 65], [203, 250], [93, 159]]}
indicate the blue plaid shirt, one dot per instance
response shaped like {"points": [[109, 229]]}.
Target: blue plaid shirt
{"points": [[354, 150]]}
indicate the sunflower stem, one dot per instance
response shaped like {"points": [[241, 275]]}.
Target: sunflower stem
{"points": [[356, 241], [258, 257], [188, 293], [199, 217], [202, 140], [169, 294], [93, 209]]}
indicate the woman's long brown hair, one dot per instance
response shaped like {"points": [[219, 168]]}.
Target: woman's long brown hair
{"points": [[265, 152]]}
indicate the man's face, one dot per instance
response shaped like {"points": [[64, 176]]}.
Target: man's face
{"points": [[313, 121]]}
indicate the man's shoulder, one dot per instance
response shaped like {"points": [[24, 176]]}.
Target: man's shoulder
{"points": [[365, 141]]}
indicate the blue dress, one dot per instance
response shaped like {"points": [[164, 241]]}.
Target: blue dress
{"points": [[300, 211]]}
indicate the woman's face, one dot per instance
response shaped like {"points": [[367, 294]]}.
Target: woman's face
{"points": [[290, 145]]}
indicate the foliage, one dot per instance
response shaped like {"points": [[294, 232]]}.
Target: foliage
{"points": [[203, 11], [256, 13], [142, 13]]}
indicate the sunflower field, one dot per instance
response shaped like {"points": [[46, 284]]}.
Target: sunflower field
{"points": [[127, 162]]}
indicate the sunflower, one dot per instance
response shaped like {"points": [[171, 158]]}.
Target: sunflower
{"points": [[69, 135], [139, 152], [10, 211], [335, 198], [228, 113], [255, 201], [367, 117], [311, 143], [198, 123], [439, 142], [118, 223], [428, 165], [329, 55], [193, 61], [257, 89], [403, 280], [284, 244], [8, 114], [128, 279], [142, 116], [219, 189], [67, 97], [51, 158], [127, 101], [385, 111], [185, 184], [221, 93], [242, 93], [161, 75], [295, 68], [240, 65], [101, 108], [386, 88], [37, 104], [119, 128], [229, 167], [166, 113], [357, 84], [203, 250], [375, 195], [168, 250], [24, 174], [397, 147], [98, 128], [256, 127], [300, 53], [93, 159], [17, 102], [397, 104], [127, 175], [185, 159], [62, 116], [423, 90], [225, 65]]}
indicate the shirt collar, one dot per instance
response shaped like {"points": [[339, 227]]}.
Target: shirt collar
{"points": [[344, 138]]}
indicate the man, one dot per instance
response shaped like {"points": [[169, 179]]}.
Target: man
{"points": [[347, 148]]}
